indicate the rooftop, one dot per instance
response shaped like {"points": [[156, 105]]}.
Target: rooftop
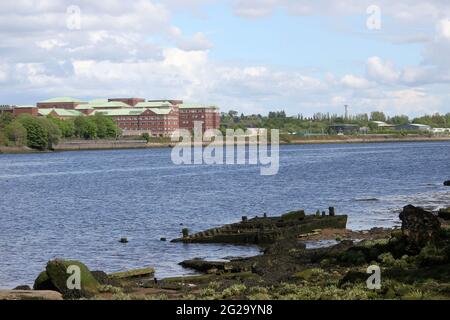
{"points": [[60, 112], [61, 99]]}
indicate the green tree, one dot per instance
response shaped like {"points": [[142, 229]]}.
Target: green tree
{"points": [[5, 119], [377, 116], [67, 127], [37, 134], [16, 133], [53, 132], [85, 127], [399, 120]]}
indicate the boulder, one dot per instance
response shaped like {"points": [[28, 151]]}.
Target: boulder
{"points": [[133, 274], [22, 288], [447, 183], [56, 275], [420, 227], [30, 295]]}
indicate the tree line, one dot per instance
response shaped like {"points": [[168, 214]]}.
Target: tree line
{"points": [[42, 133], [319, 122]]}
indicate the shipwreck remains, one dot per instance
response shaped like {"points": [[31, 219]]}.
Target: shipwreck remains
{"points": [[267, 230]]}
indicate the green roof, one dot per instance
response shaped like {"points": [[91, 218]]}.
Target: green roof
{"points": [[132, 111], [60, 112], [102, 104], [61, 99], [153, 104], [120, 112], [196, 106]]}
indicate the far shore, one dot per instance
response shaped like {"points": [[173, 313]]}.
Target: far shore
{"points": [[78, 145]]}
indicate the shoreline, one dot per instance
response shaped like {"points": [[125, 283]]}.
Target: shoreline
{"points": [[81, 145]]}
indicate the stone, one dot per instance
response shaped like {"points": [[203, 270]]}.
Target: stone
{"points": [[163, 239], [447, 183], [185, 232], [56, 277], [419, 227], [132, 274], [30, 295], [244, 219], [22, 288], [331, 211], [123, 240]]}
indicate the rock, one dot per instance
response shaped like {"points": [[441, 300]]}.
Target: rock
{"points": [[353, 277], [30, 295], [56, 277], [294, 215], [123, 240], [444, 214], [163, 239], [132, 274], [331, 211], [419, 227], [22, 288], [185, 232], [447, 183]]}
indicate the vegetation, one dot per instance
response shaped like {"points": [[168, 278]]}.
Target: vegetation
{"points": [[42, 133], [319, 122]]}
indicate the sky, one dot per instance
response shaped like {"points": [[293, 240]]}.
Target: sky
{"points": [[252, 56]]}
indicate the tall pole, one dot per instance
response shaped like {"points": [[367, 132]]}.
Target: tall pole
{"points": [[346, 112]]}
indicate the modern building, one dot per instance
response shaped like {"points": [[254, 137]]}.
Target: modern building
{"points": [[134, 116], [413, 127]]}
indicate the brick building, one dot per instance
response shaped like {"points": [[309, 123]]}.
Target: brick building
{"points": [[134, 116], [208, 115], [60, 103], [18, 110]]}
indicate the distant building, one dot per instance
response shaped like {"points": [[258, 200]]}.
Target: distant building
{"points": [[134, 116], [384, 125], [440, 130], [60, 103], [129, 101], [208, 115], [6, 109], [343, 129], [413, 127], [28, 109]]}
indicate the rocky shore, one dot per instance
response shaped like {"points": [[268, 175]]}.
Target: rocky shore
{"points": [[414, 263]]}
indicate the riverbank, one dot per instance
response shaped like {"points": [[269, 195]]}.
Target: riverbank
{"points": [[79, 145]]}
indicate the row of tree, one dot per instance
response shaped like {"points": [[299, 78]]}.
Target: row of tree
{"points": [[43, 133], [320, 121]]}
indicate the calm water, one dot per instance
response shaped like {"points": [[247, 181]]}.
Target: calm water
{"points": [[78, 204]]}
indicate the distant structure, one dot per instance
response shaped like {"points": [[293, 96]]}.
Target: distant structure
{"points": [[134, 116], [343, 129], [413, 127], [346, 112]]}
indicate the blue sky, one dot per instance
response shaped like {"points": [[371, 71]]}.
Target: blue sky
{"points": [[252, 56]]}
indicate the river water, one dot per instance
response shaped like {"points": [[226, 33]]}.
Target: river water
{"points": [[77, 205]]}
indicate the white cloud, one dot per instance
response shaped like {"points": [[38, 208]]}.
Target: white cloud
{"points": [[355, 82], [382, 71]]}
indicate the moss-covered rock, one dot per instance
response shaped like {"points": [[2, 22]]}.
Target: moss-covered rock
{"points": [[294, 215], [55, 277]]}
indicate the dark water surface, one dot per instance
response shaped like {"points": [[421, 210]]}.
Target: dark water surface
{"points": [[79, 204]]}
